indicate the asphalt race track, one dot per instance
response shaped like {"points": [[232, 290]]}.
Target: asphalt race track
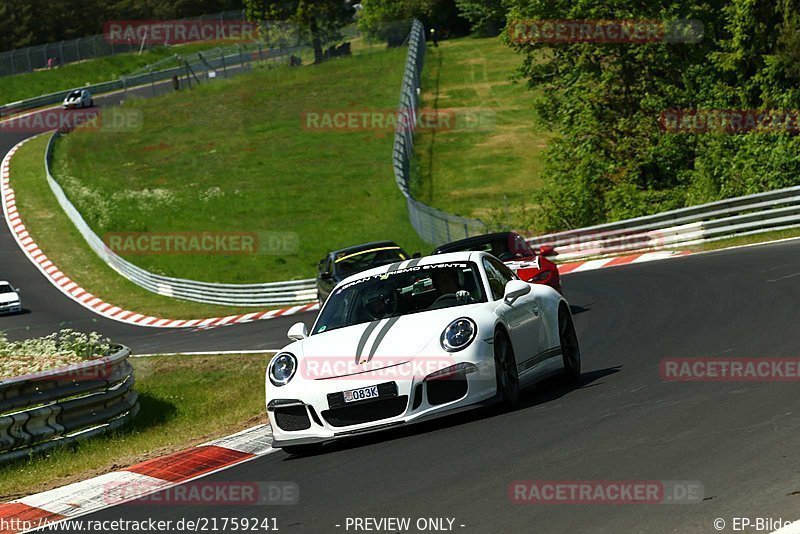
{"points": [[47, 309], [623, 423], [739, 440]]}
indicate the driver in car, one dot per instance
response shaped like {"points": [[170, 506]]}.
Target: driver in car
{"points": [[448, 287], [380, 301]]}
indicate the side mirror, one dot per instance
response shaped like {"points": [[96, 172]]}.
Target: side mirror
{"points": [[298, 331], [514, 290], [547, 250], [325, 275], [417, 255]]}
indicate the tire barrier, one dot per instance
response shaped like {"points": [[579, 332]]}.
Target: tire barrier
{"points": [[42, 411]]}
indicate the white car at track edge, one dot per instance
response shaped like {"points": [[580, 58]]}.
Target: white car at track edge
{"points": [[413, 340], [78, 99], [10, 301]]}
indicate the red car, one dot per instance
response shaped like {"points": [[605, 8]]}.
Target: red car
{"points": [[530, 264]]}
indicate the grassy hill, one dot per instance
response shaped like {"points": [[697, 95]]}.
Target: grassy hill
{"points": [[236, 156], [487, 165]]}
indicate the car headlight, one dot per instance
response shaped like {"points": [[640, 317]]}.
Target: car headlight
{"points": [[282, 368], [458, 334]]}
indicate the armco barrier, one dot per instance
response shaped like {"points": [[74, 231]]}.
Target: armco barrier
{"points": [[41, 411], [434, 226], [230, 57], [739, 216], [267, 294]]}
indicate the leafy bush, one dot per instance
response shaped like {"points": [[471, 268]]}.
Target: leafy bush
{"points": [[613, 159], [59, 349]]}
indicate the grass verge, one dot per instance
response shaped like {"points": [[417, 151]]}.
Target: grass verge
{"points": [[64, 246], [487, 164], [43, 82], [184, 400], [236, 156]]}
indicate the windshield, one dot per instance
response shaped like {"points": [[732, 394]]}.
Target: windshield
{"points": [[5, 288], [348, 263], [401, 292], [74, 94], [497, 246]]}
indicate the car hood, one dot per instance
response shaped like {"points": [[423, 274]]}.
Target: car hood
{"points": [[385, 342], [5, 298]]}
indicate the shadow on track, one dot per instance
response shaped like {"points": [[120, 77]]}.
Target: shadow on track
{"points": [[576, 309], [545, 391]]}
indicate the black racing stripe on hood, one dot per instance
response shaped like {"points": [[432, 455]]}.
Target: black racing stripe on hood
{"points": [[362, 342], [365, 336], [382, 334], [412, 263], [394, 266]]}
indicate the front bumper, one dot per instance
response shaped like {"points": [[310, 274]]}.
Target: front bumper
{"points": [[14, 307], [312, 411]]}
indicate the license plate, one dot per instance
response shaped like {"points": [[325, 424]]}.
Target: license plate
{"points": [[355, 395]]}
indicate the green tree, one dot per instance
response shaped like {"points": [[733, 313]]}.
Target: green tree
{"points": [[390, 20], [319, 19], [485, 16]]}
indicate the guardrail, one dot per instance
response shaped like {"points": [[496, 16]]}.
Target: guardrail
{"points": [[28, 59], [48, 409], [432, 225], [237, 55], [267, 294], [739, 216]]}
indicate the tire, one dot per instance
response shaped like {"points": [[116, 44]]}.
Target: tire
{"points": [[303, 450], [505, 365], [570, 350]]}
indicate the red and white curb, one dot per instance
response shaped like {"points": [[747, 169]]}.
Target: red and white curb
{"points": [[95, 304], [134, 482], [580, 266]]}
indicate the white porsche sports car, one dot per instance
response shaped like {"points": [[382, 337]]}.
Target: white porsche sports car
{"points": [[416, 339]]}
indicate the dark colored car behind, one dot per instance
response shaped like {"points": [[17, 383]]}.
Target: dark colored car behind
{"points": [[339, 264]]}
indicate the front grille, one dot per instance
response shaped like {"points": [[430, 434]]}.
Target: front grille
{"points": [[366, 412], [446, 390], [292, 418]]}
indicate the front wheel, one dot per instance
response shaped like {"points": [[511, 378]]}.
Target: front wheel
{"points": [[506, 370], [570, 351]]}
